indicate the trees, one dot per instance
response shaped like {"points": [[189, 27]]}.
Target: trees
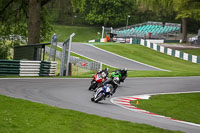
{"points": [[34, 21], [34, 14], [105, 12], [186, 9], [16, 16], [183, 9], [13, 18], [12, 25]]}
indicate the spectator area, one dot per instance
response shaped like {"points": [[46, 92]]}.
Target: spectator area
{"points": [[156, 29]]}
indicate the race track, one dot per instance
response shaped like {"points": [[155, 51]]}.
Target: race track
{"points": [[108, 58], [73, 94]]}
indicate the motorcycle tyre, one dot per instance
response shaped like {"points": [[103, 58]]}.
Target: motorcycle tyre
{"points": [[92, 99], [91, 87], [98, 98]]}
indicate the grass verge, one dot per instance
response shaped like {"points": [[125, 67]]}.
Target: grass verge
{"points": [[192, 51], [82, 34], [184, 107], [177, 67], [21, 116]]}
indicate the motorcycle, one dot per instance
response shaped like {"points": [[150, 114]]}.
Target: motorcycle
{"points": [[97, 81], [101, 94], [118, 74]]}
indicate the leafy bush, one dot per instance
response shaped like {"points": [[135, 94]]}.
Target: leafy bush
{"points": [[4, 51]]}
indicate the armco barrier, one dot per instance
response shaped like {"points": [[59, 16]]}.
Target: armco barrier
{"points": [[171, 52], [48, 68], [27, 68], [9, 67]]}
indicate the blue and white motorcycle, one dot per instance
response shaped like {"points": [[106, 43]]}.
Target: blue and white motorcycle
{"points": [[102, 93]]}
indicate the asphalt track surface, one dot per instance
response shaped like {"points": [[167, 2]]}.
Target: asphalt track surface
{"points": [[108, 58], [73, 94]]}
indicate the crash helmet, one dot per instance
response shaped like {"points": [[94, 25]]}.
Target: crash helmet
{"points": [[106, 69], [103, 74], [116, 80], [99, 70], [125, 69]]}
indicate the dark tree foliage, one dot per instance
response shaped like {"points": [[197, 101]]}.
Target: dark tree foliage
{"points": [[14, 20], [184, 10], [108, 12], [14, 16]]}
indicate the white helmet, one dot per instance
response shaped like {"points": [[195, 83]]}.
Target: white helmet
{"points": [[125, 69], [107, 69], [103, 74], [116, 80], [99, 70]]}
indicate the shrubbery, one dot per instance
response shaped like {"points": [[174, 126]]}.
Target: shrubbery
{"points": [[4, 51], [6, 48]]}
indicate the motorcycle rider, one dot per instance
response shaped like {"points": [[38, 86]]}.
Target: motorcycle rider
{"points": [[121, 73], [104, 72], [114, 82], [124, 74]]}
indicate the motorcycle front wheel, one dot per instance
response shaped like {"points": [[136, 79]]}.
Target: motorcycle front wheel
{"points": [[92, 99], [92, 86]]}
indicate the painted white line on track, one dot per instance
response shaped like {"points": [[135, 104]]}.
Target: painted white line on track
{"points": [[127, 58], [124, 102]]}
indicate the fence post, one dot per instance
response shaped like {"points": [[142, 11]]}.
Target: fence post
{"points": [[70, 69], [64, 66]]}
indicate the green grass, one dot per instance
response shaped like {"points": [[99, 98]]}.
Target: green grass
{"points": [[192, 51], [21, 116], [184, 107], [82, 34], [177, 67]]}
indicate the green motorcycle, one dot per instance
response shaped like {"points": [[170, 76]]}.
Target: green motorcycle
{"points": [[116, 74]]}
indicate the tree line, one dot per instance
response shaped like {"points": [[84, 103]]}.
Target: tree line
{"points": [[33, 18]]}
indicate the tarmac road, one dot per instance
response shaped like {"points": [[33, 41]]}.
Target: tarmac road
{"points": [[73, 94], [108, 58]]}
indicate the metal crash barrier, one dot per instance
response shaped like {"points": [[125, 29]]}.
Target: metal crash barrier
{"points": [[27, 68]]}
